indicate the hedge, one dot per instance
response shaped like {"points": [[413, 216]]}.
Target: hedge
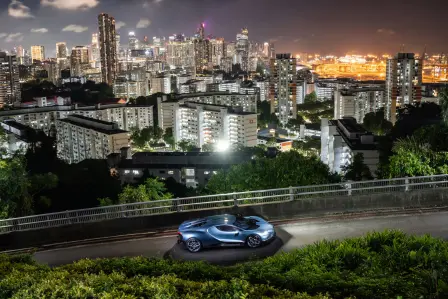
{"points": [[378, 265]]}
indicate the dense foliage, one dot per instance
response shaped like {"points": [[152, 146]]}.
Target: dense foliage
{"points": [[376, 123], [313, 111], [376, 266], [418, 143], [287, 169]]}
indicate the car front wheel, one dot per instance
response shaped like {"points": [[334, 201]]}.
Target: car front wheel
{"points": [[193, 245], [253, 241]]}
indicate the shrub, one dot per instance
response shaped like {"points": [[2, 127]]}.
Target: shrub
{"points": [[378, 265]]}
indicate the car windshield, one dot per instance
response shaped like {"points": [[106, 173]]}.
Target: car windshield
{"points": [[246, 224]]}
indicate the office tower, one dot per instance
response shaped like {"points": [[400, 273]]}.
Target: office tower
{"points": [[242, 49], [283, 87], [403, 82], [266, 49], [217, 51], [37, 53], [108, 48], [133, 41], [79, 60], [95, 51], [272, 51], [201, 49], [20, 55], [79, 138], [9, 79], [118, 43]]}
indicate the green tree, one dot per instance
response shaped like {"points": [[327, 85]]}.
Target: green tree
{"points": [[357, 170], [311, 97], [413, 158], [169, 138], [287, 169], [146, 138], [208, 147], [152, 189], [294, 124], [19, 190], [185, 145], [308, 146], [443, 98], [376, 123]]}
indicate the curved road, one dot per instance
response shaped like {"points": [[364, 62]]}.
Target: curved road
{"points": [[290, 236]]}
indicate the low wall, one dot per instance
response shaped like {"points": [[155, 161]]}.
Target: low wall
{"points": [[275, 211]]}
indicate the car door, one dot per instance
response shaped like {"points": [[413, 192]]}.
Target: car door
{"points": [[226, 233]]}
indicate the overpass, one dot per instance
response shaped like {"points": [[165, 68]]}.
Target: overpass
{"points": [[275, 204]]}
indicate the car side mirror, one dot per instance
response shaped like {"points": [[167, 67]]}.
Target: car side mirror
{"points": [[237, 233]]}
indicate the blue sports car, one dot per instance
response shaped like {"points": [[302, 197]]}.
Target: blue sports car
{"points": [[225, 230]]}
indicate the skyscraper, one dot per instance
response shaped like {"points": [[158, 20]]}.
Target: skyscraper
{"points": [[37, 53], [217, 50], [108, 48], [242, 49], [403, 82], [20, 55], [61, 50], [283, 87], [79, 60], [201, 49], [9, 79], [133, 41], [95, 51]]}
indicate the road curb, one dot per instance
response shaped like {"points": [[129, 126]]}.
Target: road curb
{"points": [[172, 231]]}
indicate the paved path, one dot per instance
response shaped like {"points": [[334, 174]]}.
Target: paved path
{"points": [[290, 236]]}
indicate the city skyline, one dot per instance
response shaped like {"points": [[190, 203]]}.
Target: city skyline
{"points": [[293, 27]]}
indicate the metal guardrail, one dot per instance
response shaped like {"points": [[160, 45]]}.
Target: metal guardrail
{"points": [[222, 200]]}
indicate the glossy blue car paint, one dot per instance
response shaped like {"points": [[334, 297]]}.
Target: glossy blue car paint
{"points": [[225, 230]]}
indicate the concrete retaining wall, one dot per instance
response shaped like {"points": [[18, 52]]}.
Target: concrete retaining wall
{"points": [[277, 211]]}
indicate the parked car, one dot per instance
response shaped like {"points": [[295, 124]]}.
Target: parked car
{"points": [[225, 230]]}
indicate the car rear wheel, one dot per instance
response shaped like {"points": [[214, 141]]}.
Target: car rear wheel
{"points": [[253, 241], [193, 245]]}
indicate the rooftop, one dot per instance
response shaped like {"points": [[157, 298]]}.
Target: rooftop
{"points": [[89, 123]]}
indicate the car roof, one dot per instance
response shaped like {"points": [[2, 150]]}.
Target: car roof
{"points": [[221, 219]]}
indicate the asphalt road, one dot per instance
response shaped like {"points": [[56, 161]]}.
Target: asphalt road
{"points": [[290, 236]]}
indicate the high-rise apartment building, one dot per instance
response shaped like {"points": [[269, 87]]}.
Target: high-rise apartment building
{"points": [[357, 102], [37, 53], [108, 48], [161, 84], [9, 79], [403, 82], [79, 138], [283, 87], [79, 60], [214, 124], [181, 53]]}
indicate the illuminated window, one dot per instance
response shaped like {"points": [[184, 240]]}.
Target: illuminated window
{"points": [[136, 172], [127, 171], [170, 172]]}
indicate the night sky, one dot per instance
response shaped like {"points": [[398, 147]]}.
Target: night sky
{"points": [[324, 26]]}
